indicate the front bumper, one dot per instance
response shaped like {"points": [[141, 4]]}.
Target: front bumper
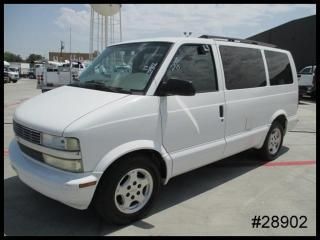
{"points": [[54, 183]]}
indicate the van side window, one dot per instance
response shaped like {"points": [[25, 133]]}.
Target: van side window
{"points": [[243, 67], [194, 63], [279, 68]]}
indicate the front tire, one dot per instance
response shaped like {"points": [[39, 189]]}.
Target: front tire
{"points": [[127, 190], [273, 142]]}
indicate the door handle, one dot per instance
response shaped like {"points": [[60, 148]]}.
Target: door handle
{"points": [[221, 113]]}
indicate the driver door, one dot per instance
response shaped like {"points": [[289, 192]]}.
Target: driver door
{"points": [[193, 126]]}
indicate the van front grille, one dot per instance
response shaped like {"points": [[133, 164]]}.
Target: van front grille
{"points": [[27, 133]]}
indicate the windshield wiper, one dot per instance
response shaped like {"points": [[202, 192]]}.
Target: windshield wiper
{"points": [[97, 85], [74, 84], [101, 86], [93, 84]]}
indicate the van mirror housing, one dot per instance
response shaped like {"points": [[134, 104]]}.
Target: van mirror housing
{"points": [[176, 87]]}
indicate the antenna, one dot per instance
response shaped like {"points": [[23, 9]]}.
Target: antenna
{"points": [[187, 34]]}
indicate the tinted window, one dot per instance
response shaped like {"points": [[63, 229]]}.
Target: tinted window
{"points": [[279, 68], [194, 63], [243, 67]]}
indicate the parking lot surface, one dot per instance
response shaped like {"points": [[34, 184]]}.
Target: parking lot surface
{"points": [[218, 199]]}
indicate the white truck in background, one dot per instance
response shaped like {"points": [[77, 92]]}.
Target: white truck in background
{"points": [[13, 74], [24, 69], [55, 74], [306, 78]]}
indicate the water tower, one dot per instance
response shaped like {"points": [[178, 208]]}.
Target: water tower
{"points": [[105, 25]]}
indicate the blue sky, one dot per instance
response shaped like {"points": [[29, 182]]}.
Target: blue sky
{"points": [[38, 28]]}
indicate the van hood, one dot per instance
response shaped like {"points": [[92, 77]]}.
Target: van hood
{"points": [[13, 73], [53, 111]]}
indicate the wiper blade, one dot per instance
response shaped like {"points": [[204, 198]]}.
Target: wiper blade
{"points": [[94, 84], [94, 81], [98, 86], [121, 90], [101, 86], [74, 84]]}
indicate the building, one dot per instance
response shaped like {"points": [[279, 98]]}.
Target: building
{"points": [[297, 36], [61, 57]]}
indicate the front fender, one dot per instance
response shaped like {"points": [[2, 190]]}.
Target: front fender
{"points": [[132, 146]]}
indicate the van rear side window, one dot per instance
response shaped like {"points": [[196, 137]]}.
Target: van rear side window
{"points": [[243, 67], [279, 68]]}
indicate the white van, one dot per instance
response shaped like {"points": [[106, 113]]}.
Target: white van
{"points": [[13, 74], [146, 111]]}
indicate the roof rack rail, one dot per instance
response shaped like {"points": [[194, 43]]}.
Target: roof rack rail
{"points": [[229, 39]]}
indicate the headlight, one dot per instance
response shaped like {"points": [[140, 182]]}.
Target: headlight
{"points": [[74, 165], [63, 143]]}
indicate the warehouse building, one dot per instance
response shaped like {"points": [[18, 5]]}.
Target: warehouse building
{"points": [[61, 57], [297, 36]]}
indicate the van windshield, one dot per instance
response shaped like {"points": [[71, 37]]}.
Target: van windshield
{"points": [[13, 70], [126, 68]]}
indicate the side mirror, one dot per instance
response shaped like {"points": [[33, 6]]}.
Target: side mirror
{"points": [[299, 75], [176, 87]]}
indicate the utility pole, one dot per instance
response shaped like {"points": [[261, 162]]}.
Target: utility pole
{"points": [[70, 57], [61, 48], [120, 24]]}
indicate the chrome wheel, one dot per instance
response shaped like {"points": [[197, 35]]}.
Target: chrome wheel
{"points": [[274, 141], [133, 191]]}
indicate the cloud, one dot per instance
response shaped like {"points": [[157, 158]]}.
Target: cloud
{"points": [[164, 20], [173, 20], [79, 21]]}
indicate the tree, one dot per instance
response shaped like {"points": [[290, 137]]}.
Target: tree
{"points": [[96, 53], [34, 57], [11, 57]]}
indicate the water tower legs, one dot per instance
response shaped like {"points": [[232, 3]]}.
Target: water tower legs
{"points": [[120, 25], [91, 34], [110, 31], [101, 45], [106, 31]]}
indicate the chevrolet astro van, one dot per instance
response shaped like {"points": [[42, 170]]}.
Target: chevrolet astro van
{"points": [[146, 111]]}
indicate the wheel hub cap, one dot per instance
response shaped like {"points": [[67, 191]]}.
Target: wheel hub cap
{"points": [[274, 141], [133, 191]]}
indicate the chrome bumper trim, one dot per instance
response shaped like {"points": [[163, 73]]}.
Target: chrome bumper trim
{"points": [[50, 151]]}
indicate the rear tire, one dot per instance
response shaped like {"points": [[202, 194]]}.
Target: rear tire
{"points": [[273, 142], [126, 192]]}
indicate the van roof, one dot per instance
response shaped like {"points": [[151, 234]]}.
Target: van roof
{"points": [[207, 40]]}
